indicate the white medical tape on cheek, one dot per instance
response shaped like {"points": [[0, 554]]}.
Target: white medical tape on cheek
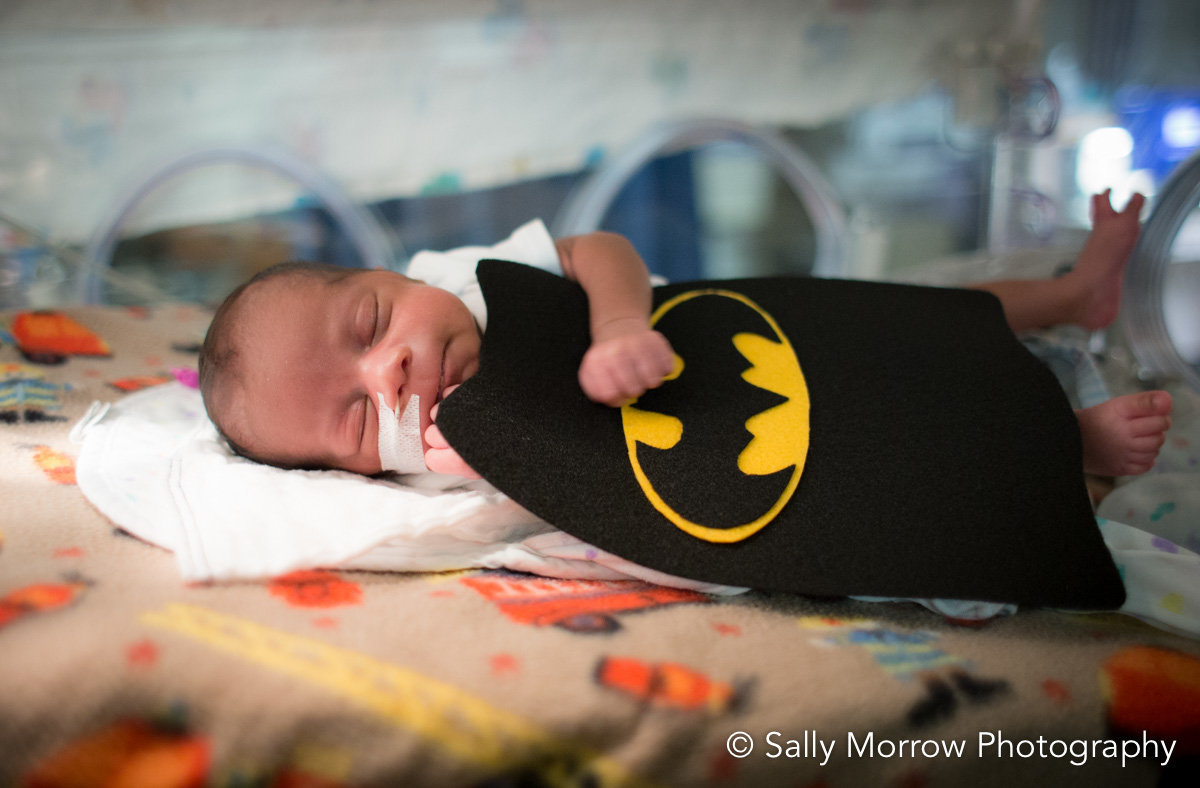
{"points": [[400, 446]]}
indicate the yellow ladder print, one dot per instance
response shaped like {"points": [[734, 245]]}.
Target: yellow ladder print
{"points": [[466, 726]]}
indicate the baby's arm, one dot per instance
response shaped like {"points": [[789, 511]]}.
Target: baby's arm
{"points": [[626, 356]]}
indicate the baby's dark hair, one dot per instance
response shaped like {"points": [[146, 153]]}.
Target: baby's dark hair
{"points": [[219, 355]]}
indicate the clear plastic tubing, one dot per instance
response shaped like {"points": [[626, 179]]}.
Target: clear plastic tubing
{"points": [[365, 233], [1142, 318], [586, 207]]}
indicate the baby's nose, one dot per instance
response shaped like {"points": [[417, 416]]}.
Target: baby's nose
{"points": [[385, 369]]}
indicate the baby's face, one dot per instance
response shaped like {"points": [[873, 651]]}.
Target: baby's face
{"points": [[316, 352]]}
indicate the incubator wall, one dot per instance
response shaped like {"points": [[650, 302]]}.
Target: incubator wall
{"points": [[934, 126], [431, 114]]}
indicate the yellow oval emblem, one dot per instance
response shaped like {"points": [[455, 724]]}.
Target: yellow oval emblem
{"points": [[780, 434]]}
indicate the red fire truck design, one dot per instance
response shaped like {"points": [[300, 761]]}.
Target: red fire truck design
{"points": [[576, 605]]}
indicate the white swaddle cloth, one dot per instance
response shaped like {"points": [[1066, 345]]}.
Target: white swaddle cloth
{"points": [[155, 465]]}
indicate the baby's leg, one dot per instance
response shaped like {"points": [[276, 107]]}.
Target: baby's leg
{"points": [[1121, 437], [1089, 295]]}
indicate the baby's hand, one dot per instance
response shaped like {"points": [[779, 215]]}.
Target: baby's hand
{"points": [[618, 369], [439, 457]]}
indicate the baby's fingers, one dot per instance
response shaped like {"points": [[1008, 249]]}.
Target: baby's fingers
{"points": [[447, 461], [612, 382], [616, 371], [599, 387], [435, 439], [440, 457]]}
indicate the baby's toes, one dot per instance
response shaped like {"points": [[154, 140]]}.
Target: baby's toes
{"points": [[1144, 405], [1146, 443], [1155, 426], [1136, 467], [1141, 453], [1150, 427], [1139, 462]]}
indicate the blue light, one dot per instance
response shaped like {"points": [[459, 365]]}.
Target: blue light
{"points": [[1164, 124]]}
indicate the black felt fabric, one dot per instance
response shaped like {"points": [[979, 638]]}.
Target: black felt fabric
{"points": [[944, 459]]}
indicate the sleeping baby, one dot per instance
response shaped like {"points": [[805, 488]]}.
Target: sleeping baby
{"points": [[321, 367], [311, 366]]}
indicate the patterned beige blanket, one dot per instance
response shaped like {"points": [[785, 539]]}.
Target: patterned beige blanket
{"points": [[114, 672]]}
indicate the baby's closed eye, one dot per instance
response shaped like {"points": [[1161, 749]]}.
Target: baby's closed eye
{"points": [[365, 408], [366, 322]]}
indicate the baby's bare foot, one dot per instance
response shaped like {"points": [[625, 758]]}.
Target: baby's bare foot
{"points": [[1100, 270], [1122, 437]]}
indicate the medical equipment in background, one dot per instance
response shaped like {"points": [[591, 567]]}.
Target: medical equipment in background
{"points": [[1160, 317], [1003, 100], [1015, 207], [587, 205], [368, 237], [34, 273]]}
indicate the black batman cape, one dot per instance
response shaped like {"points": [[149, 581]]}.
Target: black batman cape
{"points": [[819, 437]]}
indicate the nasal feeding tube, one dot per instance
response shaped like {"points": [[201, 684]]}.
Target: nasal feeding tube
{"points": [[400, 446]]}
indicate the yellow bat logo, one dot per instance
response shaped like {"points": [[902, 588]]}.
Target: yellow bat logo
{"points": [[779, 434]]}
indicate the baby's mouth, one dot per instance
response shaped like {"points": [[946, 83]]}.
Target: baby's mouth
{"points": [[441, 386]]}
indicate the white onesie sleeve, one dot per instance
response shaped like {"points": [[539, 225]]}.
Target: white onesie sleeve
{"points": [[454, 270]]}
